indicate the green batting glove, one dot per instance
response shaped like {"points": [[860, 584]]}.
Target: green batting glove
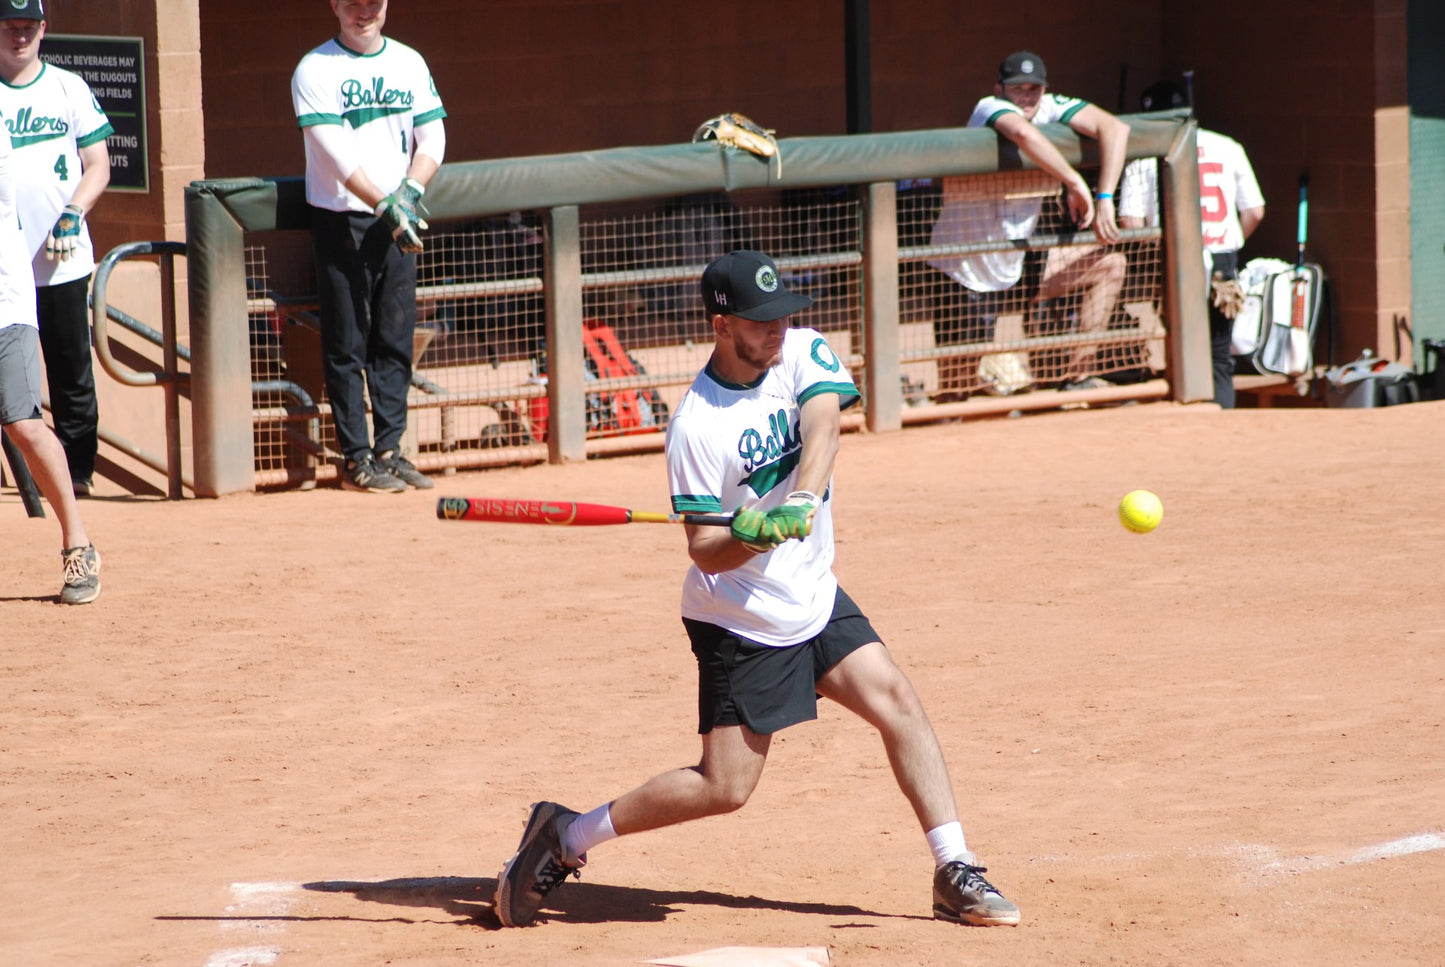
{"points": [[64, 238], [793, 518], [409, 194], [752, 528], [403, 223]]}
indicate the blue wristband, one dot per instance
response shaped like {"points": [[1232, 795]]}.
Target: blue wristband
{"points": [[1105, 194]]}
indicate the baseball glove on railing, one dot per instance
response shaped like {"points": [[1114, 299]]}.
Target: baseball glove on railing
{"points": [[734, 130]]}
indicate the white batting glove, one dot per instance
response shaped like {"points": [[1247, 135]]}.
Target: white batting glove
{"points": [[64, 238]]}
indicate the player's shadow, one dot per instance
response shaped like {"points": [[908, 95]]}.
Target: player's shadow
{"points": [[577, 902]]}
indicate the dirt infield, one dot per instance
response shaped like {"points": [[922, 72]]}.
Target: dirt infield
{"points": [[304, 728]]}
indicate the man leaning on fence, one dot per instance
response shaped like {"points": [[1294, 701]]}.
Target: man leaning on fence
{"points": [[372, 122], [967, 311]]}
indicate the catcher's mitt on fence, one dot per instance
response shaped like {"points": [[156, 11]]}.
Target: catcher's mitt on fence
{"points": [[734, 130]]}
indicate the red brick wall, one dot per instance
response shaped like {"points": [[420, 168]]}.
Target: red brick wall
{"points": [[523, 77], [1299, 87]]}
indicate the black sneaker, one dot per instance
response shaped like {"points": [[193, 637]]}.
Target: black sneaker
{"points": [[82, 574], [538, 867], [962, 895], [401, 468], [364, 474]]}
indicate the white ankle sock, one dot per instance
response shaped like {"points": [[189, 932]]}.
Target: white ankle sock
{"points": [[948, 844], [588, 830]]}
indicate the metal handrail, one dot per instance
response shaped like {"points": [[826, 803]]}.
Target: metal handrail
{"points": [[169, 376]]}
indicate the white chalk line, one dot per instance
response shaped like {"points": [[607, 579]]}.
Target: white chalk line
{"points": [[254, 907], [244, 957], [1393, 849], [1266, 861]]}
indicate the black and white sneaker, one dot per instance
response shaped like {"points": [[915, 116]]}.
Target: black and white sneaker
{"points": [[538, 867], [402, 469], [364, 474], [962, 895]]}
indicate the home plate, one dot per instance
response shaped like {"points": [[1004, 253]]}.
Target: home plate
{"points": [[750, 957]]}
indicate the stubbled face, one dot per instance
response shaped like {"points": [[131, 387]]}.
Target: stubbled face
{"points": [[1025, 97], [757, 345], [361, 22], [19, 44]]}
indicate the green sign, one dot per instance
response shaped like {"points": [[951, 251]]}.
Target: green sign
{"points": [[114, 67]]}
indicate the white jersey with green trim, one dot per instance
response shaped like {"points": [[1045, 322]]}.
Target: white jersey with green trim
{"points": [[380, 98], [49, 120], [17, 284], [731, 447], [967, 220]]}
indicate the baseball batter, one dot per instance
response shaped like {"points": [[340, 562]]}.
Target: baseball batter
{"points": [[62, 167], [20, 394], [371, 118], [770, 628]]}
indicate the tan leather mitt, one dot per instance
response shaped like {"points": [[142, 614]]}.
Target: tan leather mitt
{"points": [[734, 130]]}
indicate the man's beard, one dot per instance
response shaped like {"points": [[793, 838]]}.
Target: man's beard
{"points": [[758, 358]]}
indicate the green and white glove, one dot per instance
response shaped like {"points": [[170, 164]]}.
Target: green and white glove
{"points": [[752, 528], [410, 194], [64, 238], [401, 211], [793, 518]]}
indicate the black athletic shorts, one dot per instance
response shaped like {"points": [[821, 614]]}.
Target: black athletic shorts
{"points": [[744, 682]]}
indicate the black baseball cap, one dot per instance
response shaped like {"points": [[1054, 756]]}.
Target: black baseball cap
{"points": [[746, 284], [22, 10], [1020, 67], [1162, 96]]}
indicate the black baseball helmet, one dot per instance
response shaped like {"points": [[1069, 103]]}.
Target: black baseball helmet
{"points": [[1163, 96]]}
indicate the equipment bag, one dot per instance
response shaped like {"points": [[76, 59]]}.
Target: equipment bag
{"points": [[1370, 382], [1275, 330]]}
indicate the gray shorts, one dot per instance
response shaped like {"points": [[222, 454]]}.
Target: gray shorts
{"points": [[745, 682], [19, 374]]}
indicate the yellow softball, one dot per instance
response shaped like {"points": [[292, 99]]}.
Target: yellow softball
{"points": [[1140, 511]]}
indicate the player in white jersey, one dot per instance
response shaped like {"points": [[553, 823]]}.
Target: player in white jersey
{"points": [[1231, 206], [771, 630], [371, 118], [1020, 103], [62, 166], [20, 417]]}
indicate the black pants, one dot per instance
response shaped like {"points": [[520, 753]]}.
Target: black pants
{"points": [[367, 292], [64, 314], [1221, 335]]}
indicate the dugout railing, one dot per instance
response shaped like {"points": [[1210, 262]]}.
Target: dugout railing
{"points": [[533, 263]]}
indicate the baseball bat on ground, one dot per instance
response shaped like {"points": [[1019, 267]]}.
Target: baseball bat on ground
{"points": [[24, 482], [564, 513]]}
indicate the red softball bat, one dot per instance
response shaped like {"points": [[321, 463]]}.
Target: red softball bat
{"points": [[565, 513]]}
